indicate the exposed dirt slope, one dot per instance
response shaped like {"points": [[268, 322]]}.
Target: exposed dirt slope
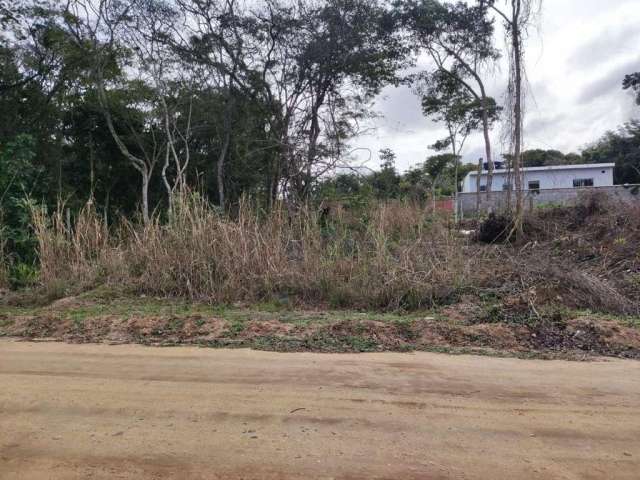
{"points": [[464, 326]]}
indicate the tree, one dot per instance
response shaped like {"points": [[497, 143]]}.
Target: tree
{"points": [[386, 182], [415, 184], [339, 55], [517, 17], [449, 102], [632, 82], [622, 147], [541, 158], [444, 100], [459, 40], [215, 49], [96, 28], [18, 183], [446, 172]]}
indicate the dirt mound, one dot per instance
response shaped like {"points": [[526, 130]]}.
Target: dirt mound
{"points": [[36, 326], [602, 337]]}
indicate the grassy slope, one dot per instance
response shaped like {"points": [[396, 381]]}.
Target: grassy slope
{"points": [[113, 316]]}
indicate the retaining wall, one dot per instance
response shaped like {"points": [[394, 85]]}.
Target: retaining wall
{"points": [[498, 201]]}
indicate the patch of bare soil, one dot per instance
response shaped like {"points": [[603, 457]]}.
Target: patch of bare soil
{"points": [[66, 303], [262, 328], [462, 311]]}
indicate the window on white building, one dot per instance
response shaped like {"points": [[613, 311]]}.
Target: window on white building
{"points": [[506, 187], [483, 188], [582, 182], [534, 186]]}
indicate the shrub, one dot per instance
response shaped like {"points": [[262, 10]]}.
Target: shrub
{"points": [[495, 229]]}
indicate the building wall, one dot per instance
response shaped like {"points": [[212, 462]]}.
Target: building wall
{"points": [[467, 202], [549, 179]]}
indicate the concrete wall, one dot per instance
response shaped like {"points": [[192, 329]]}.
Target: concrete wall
{"points": [[466, 202], [549, 178]]}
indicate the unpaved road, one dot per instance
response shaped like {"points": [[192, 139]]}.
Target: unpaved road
{"points": [[104, 412]]}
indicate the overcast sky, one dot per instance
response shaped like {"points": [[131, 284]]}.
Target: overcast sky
{"points": [[576, 60]]}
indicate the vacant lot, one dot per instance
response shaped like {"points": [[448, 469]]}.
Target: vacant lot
{"points": [[97, 411]]}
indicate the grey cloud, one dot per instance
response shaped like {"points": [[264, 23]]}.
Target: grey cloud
{"points": [[565, 117], [473, 154], [608, 83], [610, 42], [401, 109], [541, 124]]}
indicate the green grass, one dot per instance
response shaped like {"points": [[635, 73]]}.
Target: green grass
{"points": [[103, 301]]}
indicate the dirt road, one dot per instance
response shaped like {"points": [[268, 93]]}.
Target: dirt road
{"points": [[97, 411]]}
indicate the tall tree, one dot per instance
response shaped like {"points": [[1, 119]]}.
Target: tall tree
{"points": [[517, 16], [386, 182], [213, 40], [447, 101], [459, 40], [326, 62]]}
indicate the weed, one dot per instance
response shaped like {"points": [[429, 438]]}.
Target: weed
{"points": [[174, 324], [235, 328]]}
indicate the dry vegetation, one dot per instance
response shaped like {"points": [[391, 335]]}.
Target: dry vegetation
{"points": [[571, 283], [386, 257], [390, 256]]}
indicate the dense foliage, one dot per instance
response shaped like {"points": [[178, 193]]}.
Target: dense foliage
{"points": [[127, 104]]}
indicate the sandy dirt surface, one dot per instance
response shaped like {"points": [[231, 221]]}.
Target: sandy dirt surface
{"points": [[134, 412]]}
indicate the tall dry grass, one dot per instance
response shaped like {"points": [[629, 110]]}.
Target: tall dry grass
{"points": [[82, 253], [389, 256]]}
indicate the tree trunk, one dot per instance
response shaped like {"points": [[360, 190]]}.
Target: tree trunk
{"points": [[274, 181], [314, 132], [145, 197], [92, 173], [487, 148], [165, 180], [452, 137], [517, 117], [478, 185], [220, 168]]}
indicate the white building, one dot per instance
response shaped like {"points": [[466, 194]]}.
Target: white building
{"points": [[544, 178]]}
